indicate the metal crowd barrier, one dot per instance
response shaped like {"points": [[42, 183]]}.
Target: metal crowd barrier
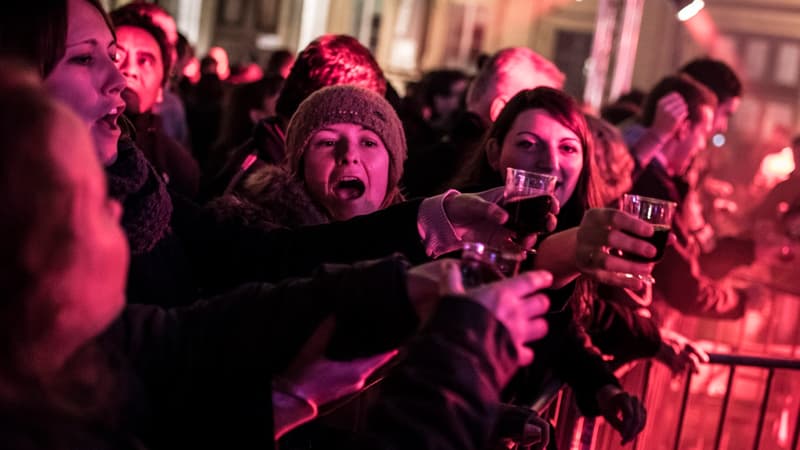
{"points": [[553, 400]]}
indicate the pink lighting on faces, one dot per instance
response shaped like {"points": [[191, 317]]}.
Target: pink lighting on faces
{"points": [[346, 170], [223, 64], [540, 143], [141, 65], [99, 245], [86, 78]]}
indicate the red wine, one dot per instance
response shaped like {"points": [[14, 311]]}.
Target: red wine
{"points": [[658, 240], [528, 215]]}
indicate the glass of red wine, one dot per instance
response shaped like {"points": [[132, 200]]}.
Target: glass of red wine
{"points": [[527, 197], [481, 263], [658, 213]]}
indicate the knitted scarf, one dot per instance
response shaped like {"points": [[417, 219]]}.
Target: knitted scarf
{"points": [[144, 197]]}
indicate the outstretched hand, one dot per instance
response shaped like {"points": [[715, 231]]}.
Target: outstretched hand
{"points": [[679, 353], [513, 301], [603, 229], [324, 380], [623, 411], [479, 218]]}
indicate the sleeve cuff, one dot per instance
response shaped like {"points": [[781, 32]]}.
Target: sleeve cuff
{"points": [[437, 233]]}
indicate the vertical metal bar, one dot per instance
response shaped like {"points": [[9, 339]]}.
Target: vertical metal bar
{"points": [[763, 411], [588, 430], [725, 401], [796, 340], [796, 437], [648, 366], [627, 42], [684, 402], [602, 47]]}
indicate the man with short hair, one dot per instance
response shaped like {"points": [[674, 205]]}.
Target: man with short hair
{"points": [[679, 148], [431, 170], [145, 63], [723, 81], [680, 280], [671, 109]]}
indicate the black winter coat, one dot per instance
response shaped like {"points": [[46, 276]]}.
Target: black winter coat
{"points": [[204, 254], [199, 377]]}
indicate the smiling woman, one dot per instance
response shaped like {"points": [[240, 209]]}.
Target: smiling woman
{"points": [[345, 150]]}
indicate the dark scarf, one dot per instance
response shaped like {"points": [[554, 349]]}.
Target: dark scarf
{"points": [[143, 194]]}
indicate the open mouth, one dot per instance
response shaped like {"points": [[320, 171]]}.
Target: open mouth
{"points": [[110, 119], [349, 188]]}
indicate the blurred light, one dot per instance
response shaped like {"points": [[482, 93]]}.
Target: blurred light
{"points": [[778, 166], [688, 8], [403, 54], [268, 41], [223, 63], [189, 12], [718, 140], [192, 70], [250, 74], [783, 427]]}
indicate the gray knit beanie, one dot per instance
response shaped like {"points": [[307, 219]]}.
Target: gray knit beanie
{"points": [[348, 104]]}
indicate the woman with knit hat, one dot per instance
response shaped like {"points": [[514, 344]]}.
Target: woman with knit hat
{"points": [[345, 149], [180, 253]]}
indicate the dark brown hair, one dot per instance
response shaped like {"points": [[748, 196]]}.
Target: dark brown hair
{"points": [[129, 17], [587, 192], [693, 92], [715, 75], [36, 32]]}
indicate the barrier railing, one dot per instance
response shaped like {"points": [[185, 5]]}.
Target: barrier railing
{"points": [[734, 361], [582, 438]]}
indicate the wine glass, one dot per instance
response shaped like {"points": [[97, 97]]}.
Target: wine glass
{"points": [[481, 263], [656, 212]]}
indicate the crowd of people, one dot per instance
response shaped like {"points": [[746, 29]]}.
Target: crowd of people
{"points": [[203, 259]]}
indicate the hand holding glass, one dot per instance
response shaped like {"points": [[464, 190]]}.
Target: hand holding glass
{"points": [[481, 264], [528, 199], [656, 212]]}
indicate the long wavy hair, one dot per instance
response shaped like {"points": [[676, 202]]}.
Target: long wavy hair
{"points": [[567, 112]]}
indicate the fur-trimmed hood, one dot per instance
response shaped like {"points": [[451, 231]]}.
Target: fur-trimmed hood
{"points": [[283, 198]]}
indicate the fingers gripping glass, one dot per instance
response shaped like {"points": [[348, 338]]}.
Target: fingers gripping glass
{"points": [[481, 264], [656, 212]]}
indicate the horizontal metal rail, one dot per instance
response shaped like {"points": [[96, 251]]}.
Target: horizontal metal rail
{"points": [[754, 361]]}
